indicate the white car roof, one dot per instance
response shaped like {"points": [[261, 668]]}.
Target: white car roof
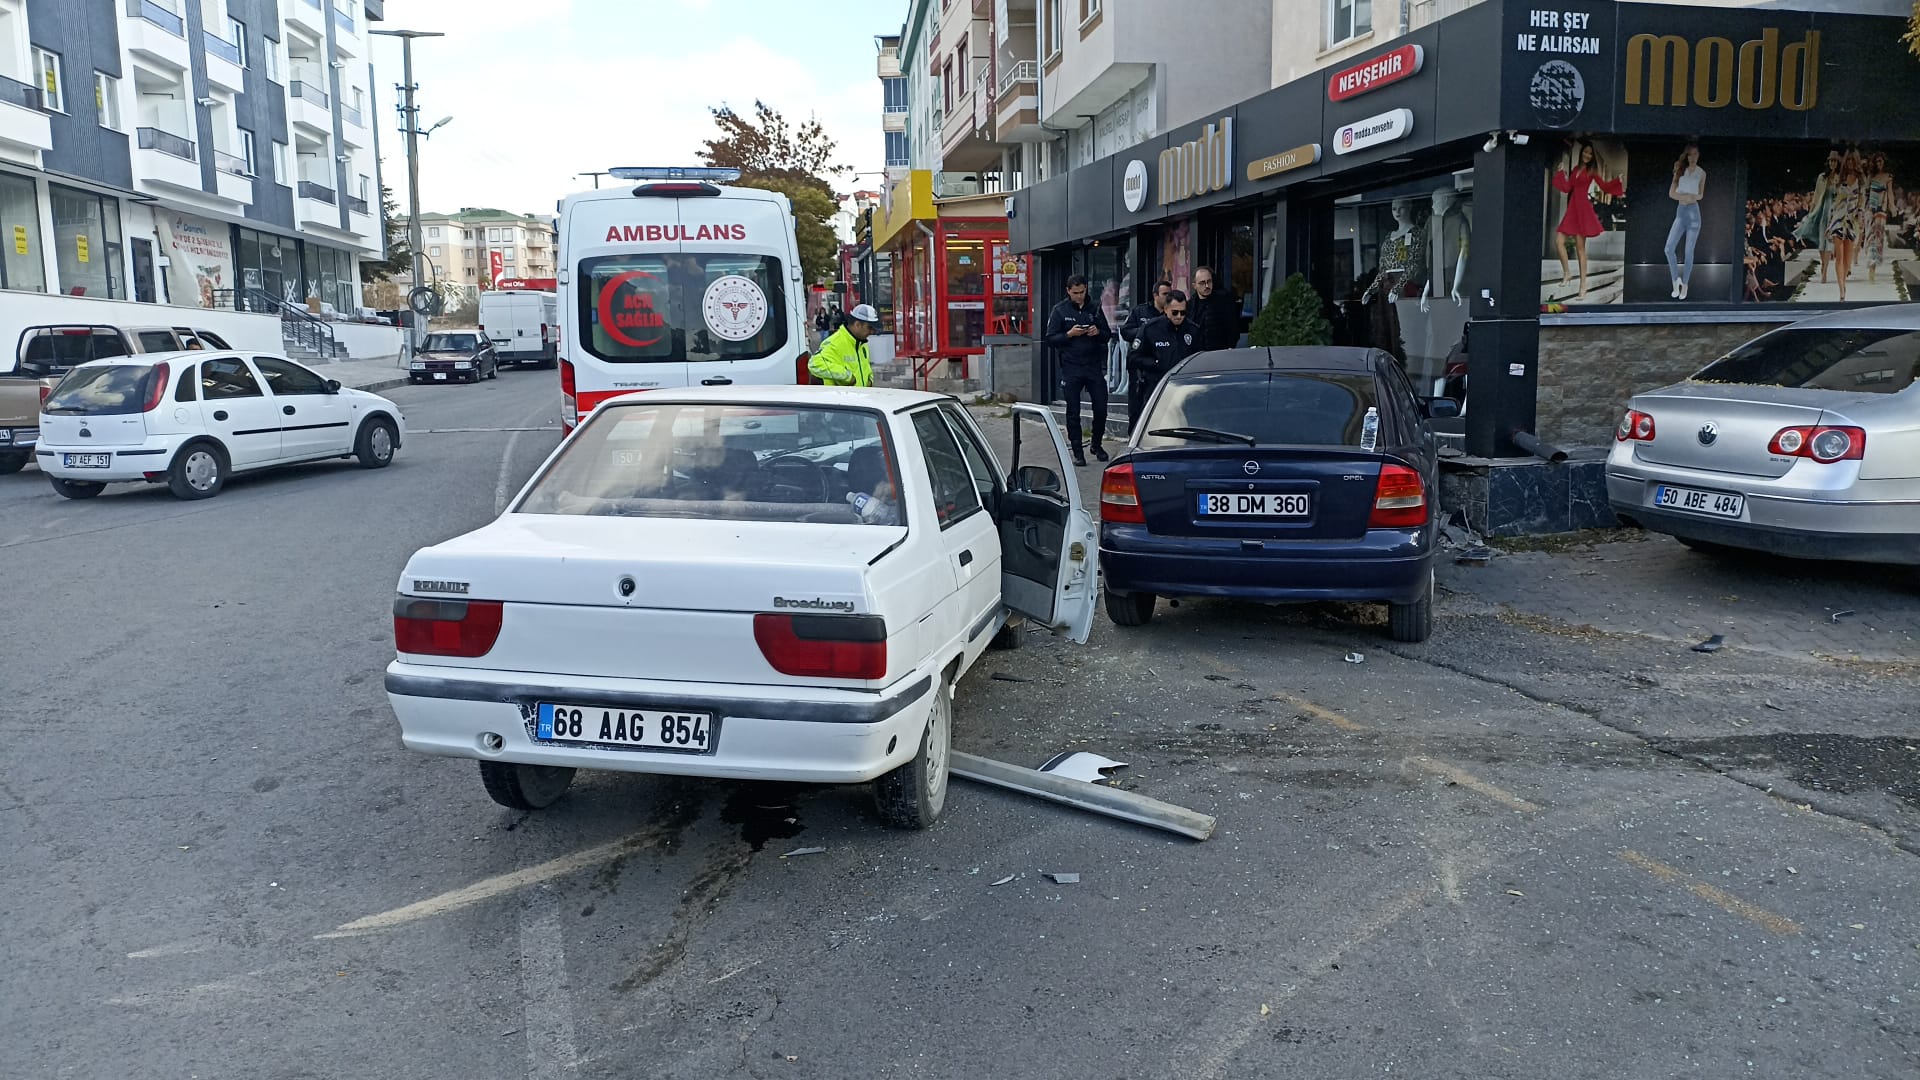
{"points": [[1881, 317], [189, 355], [886, 399]]}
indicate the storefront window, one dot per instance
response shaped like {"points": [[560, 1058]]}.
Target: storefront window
{"points": [[22, 265], [882, 291], [1820, 224], [1012, 299], [966, 266], [1398, 274], [86, 236]]}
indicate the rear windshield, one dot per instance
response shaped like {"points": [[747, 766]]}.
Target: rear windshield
{"points": [[1289, 408], [99, 391], [680, 307], [49, 352], [1861, 361], [451, 343], [725, 462]]}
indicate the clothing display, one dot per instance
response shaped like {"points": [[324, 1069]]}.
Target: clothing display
{"points": [[1403, 257], [1846, 210], [1878, 191], [1580, 220], [1813, 228]]}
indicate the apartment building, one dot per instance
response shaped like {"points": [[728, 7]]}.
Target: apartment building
{"points": [[190, 152], [481, 247]]}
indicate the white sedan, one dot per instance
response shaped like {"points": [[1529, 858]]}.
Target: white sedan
{"points": [[190, 419], [764, 583]]}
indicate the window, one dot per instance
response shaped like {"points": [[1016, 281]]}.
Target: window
{"points": [[282, 170], [188, 388], [1291, 409], [493, 234], [273, 62], [507, 257], [433, 232], [228, 377], [285, 378], [659, 310], [1348, 19], [237, 33], [106, 99], [954, 496], [1089, 10], [896, 148], [434, 251], [86, 240], [985, 478], [246, 152], [153, 341], [1050, 48], [895, 91], [47, 65], [113, 390], [359, 99], [22, 264], [725, 462], [1879, 361], [960, 65], [466, 234], [946, 84]]}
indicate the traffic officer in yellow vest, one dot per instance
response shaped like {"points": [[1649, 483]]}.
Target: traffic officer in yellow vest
{"points": [[842, 359]]}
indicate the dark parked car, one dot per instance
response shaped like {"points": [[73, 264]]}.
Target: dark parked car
{"points": [[1278, 475], [454, 356]]}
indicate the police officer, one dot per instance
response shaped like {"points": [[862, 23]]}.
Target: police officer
{"points": [[1078, 332], [1164, 342], [842, 358], [1142, 314]]}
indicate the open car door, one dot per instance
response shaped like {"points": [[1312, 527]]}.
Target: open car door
{"points": [[1049, 546]]}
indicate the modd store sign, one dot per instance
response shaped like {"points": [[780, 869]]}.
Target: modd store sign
{"points": [[1200, 167]]}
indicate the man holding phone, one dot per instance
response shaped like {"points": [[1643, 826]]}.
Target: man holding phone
{"points": [[1077, 329]]}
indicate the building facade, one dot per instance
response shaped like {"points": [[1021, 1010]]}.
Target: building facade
{"points": [[1495, 197], [199, 153], [481, 247]]}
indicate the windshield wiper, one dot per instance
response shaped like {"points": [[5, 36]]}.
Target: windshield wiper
{"points": [[1200, 434]]}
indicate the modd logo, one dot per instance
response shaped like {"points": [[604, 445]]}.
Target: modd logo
{"points": [[1755, 75], [1198, 167]]}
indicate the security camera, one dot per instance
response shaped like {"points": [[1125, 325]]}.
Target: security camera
{"points": [[1492, 143], [208, 101], [1519, 138]]}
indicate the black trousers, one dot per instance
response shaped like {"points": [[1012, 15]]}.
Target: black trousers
{"points": [[1140, 384], [1094, 382]]}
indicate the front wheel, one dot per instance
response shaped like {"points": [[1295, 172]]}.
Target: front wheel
{"points": [[375, 445], [912, 796], [1412, 622], [1130, 609], [14, 461], [199, 471], [525, 787], [76, 489]]}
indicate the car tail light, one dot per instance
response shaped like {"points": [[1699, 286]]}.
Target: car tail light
{"points": [[802, 373], [1399, 499], [677, 190], [156, 386], [1822, 444], [569, 411], [45, 393], [465, 628], [1120, 497], [1635, 426], [824, 646]]}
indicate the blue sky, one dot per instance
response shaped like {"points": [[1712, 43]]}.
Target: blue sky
{"points": [[540, 91]]}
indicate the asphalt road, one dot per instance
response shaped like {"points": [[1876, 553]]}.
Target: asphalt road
{"points": [[1519, 850]]}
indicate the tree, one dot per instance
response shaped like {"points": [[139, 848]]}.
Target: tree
{"points": [[399, 258], [1293, 315], [1912, 36], [774, 155]]}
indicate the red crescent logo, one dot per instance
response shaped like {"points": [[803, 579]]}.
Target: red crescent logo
{"points": [[606, 310]]}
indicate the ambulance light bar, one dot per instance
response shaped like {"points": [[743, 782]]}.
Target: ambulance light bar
{"points": [[674, 172]]}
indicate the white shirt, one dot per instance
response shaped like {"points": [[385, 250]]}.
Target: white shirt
{"points": [[1690, 181]]}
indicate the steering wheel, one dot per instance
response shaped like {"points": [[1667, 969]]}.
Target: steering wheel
{"points": [[799, 475]]}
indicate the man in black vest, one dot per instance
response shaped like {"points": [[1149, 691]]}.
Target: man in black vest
{"points": [[1077, 329], [1164, 342]]}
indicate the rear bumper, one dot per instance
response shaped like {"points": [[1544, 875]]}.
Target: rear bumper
{"points": [[525, 356], [125, 462], [800, 734], [1797, 526], [18, 438], [1388, 567]]}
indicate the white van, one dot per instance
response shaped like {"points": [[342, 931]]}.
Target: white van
{"points": [[677, 281], [524, 326]]}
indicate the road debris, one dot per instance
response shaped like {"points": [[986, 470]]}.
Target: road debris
{"points": [[1080, 765], [1002, 881], [1265, 1009], [804, 851], [1113, 802], [1838, 615], [1515, 892], [1064, 879], [1774, 705], [1004, 677], [1476, 555], [1356, 658], [1712, 644]]}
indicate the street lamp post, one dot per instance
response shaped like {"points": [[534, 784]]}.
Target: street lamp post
{"points": [[596, 178], [410, 125]]}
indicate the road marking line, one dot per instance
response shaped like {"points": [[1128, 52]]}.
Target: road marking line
{"points": [[1320, 712], [1473, 783], [500, 489], [543, 983], [178, 948], [489, 888], [1720, 898]]}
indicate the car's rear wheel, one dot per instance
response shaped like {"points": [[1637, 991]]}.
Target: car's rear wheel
{"points": [[912, 796], [374, 447], [76, 489], [199, 471], [1130, 609], [1412, 622], [525, 787], [15, 461]]}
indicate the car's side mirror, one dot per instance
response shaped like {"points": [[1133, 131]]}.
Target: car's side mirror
{"points": [[1442, 408], [1037, 480], [333, 386]]}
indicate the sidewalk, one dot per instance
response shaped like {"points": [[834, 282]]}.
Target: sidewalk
{"points": [[372, 376]]}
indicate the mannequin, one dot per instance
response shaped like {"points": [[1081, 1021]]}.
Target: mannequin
{"points": [[1452, 219], [1402, 256]]}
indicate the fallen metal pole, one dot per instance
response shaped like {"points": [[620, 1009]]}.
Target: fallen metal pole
{"points": [[1112, 802]]}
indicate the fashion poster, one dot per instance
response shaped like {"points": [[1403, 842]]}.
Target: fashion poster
{"points": [[1683, 232], [199, 258], [1831, 224], [1584, 256]]}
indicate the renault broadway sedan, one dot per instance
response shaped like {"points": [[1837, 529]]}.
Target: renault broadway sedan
{"points": [[758, 583], [1804, 442], [1277, 475], [465, 356]]}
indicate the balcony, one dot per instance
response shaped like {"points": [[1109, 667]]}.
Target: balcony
{"points": [[308, 15], [223, 64], [309, 189], [25, 130], [221, 47], [352, 115], [156, 35], [888, 64], [168, 143], [163, 158], [342, 20], [894, 119], [356, 205], [308, 91], [159, 15], [1017, 108], [307, 103], [232, 178], [1017, 73]]}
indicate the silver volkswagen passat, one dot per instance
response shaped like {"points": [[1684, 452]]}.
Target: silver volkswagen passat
{"points": [[1804, 442]]}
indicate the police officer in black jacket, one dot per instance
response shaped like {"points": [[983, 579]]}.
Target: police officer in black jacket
{"points": [[1142, 314], [1164, 342], [1078, 332]]}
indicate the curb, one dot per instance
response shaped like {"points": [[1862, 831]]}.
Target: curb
{"points": [[381, 384]]}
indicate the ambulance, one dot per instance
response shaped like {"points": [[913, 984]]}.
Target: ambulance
{"points": [[674, 279]]}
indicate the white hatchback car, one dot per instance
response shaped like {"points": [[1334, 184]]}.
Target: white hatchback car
{"points": [[765, 583], [189, 419]]}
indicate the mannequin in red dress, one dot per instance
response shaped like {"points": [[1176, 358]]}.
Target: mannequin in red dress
{"points": [[1580, 222]]}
